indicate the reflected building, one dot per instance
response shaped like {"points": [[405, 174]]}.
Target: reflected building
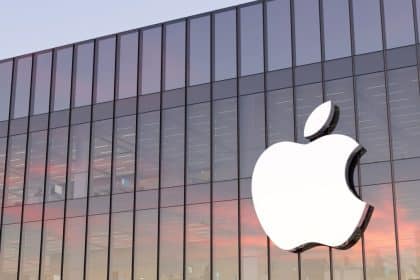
{"points": [[129, 156]]}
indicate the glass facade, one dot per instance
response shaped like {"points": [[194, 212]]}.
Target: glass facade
{"points": [[130, 156]]}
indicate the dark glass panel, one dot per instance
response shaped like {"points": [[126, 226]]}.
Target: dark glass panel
{"points": [[127, 65], [279, 46], [97, 248], [9, 252], [251, 30], [74, 248], [124, 154], [52, 241], [336, 28], [307, 32], [5, 88], [225, 240], [83, 75], [171, 243], [105, 70], [225, 45], [373, 126], [101, 157], [172, 173], [315, 264], [280, 115], [224, 131], [121, 246], [199, 60], [62, 78], [283, 264], [29, 255], [148, 150], [41, 83], [35, 172], [175, 55], [151, 60], [198, 143], [145, 252], [22, 87], [367, 26], [404, 101], [399, 24]]}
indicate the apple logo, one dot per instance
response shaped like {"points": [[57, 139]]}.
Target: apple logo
{"points": [[303, 194]]}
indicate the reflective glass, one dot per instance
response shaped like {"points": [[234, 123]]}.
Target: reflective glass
{"points": [[3, 143], [151, 60], [399, 24], [283, 264], [52, 240], [15, 170], [347, 264], [315, 264], [127, 64], [29, 255], [225, 45], [97, 248], [22, 86], [199, 48], [5, 88], [83, 75], [280, 115], [121, 245], [62, 78], [74, 248], [41, 83], [175, 55], [105, 69], [9, 252]]}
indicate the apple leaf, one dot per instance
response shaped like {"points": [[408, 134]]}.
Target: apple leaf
{"points": [[319, 120]]}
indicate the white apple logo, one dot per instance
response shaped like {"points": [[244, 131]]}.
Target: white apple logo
{"points": [[302, 193]]}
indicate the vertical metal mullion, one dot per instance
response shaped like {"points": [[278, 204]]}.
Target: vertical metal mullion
{"points": [[187, 52], [212, 61]]}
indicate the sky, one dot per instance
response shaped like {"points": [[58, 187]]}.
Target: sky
{"points": [[28, 26]]}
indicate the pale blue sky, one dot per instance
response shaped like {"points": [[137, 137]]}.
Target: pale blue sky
{"points": [[28, 26]]}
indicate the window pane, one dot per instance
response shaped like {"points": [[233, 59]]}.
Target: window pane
{"points": [[83, 74], [283, 264], [10, 252], [145, 258], [62, 78], [127, 65], [51, 249], [404, 101], [148, 150], [225, 240], [121, 245], [105, 69], [279, 46], [3, 142], [151, 60], [251, 40], [225, 45], [347, 264], [15, 170], [172, 173], [124, 154], [97, 248], [307, 32], [315, 264], [373, 126], [198, 153], [399, 25], [175, 55], [252, 131], [199, 68], [31, 243], [367, 26], [74, 248], [280, 115], [42, 82], [171, 243], [5, 88], [224, 131], [22, 86], [336, 28], [35, 172]]}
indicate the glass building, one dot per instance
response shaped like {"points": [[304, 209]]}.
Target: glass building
{"points": [[130, 156]]}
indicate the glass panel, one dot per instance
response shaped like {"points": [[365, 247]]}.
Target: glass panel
{"points": [[31, 243], [175, 55], [336, 28], [22, 86], [225, 240], [52, 241], [373, 126], [171, 243], [417, 3], [124, 154], [199, 48], [57, 164], [404, 101], [62, 78], [225, 45], [198, 150], [9, 252], [347, 264], [121, 246], [15, 170], [315, 264], [283, 265], [367, 26], [5, 88], [74, 248], [127, 65], [101, 152], [399, 25], [151, 60], [97, 248], [105, 70], [172, 173], [3, 143], [251, 48], [35, 172], [307, 31], [280, 116], [279, 46], [83, 74], [145, 254], [42, 82], [148, 151], [78, 161]]}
